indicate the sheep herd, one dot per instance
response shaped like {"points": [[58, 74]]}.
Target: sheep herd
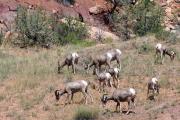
{"points": [[104, 78]]}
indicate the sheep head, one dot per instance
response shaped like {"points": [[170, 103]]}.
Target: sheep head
{"points": [[104, 99], [57, 94]]}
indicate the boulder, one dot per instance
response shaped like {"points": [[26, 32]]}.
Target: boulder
{"points": [[96, 10]]}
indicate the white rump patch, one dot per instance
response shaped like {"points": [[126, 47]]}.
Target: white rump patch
{"points": [[108, 75], [84, 82], [116, 70], [75, 55], [172, 52], [158, 45], [118, 51], [154, 80], [109, 55], [132, 91]]}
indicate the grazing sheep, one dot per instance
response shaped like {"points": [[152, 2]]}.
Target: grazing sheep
{"points": [[73, 87], [153, 85], [115, 74], [113, 55], [119, 96], [104, 79], [105, 59], [70, 60], [97, 63], [162, 50]]}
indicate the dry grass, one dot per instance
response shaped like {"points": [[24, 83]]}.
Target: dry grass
{"points": [[29, 77]]}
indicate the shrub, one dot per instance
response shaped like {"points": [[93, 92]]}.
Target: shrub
{"points": [[37, 28], [166, 36], [145, 48], [86, 113], [149, 17], [34, 27], [70, 31]]}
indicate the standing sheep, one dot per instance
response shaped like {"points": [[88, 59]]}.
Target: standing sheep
{"points": [[119, 96], [115, 74], [153, 85], [70, 60], [106, 59], [162, 50], [104, 79], [73, 87]]}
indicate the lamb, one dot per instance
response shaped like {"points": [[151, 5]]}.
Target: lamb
{"points": [[104, 78], [115, 74], [105, 59], [153, 85], [70, 60], [119, 96], [162, 50], [74, 87]]}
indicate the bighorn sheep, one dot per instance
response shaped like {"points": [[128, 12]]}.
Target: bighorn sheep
{"points": [[115, 74], [162, 50], [73, 87], [106, 59], [104, 79], [153, 85], [119, 96], [70, 60]]}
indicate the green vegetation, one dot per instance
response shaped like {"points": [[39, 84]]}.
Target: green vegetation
{"points": [[86, 113], [166, 36], [149, 17], [145, 48], [37, 28], [33, 27]]}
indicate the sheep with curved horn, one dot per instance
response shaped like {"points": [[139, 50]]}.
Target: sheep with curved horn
{"points": [[70, 60], [162, 50], [153, 85], [105, 59], [115, 74], [104, 79], [119, 96], [74, 87]]}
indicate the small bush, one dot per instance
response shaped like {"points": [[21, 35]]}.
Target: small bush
{"points": [[145, 48], [71, 31], [86, 113], [34, 27], [166, 36], [164, 83], [149, 17]]}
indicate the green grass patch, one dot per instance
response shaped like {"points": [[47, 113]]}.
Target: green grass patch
{"points": [[86, 113]]}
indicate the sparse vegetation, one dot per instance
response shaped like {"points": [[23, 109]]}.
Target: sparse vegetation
{"points": [[166, 36], [145, 48], [86, 113]]}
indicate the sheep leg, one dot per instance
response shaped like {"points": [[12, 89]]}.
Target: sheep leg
{"points": [[119, 63], [128, 108], [162, 58], [73, 67], [67, 99], [85, 97], [89, 96], [104, 83], [60, 66], [108, 64], [72, 95], [117, 106]]}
